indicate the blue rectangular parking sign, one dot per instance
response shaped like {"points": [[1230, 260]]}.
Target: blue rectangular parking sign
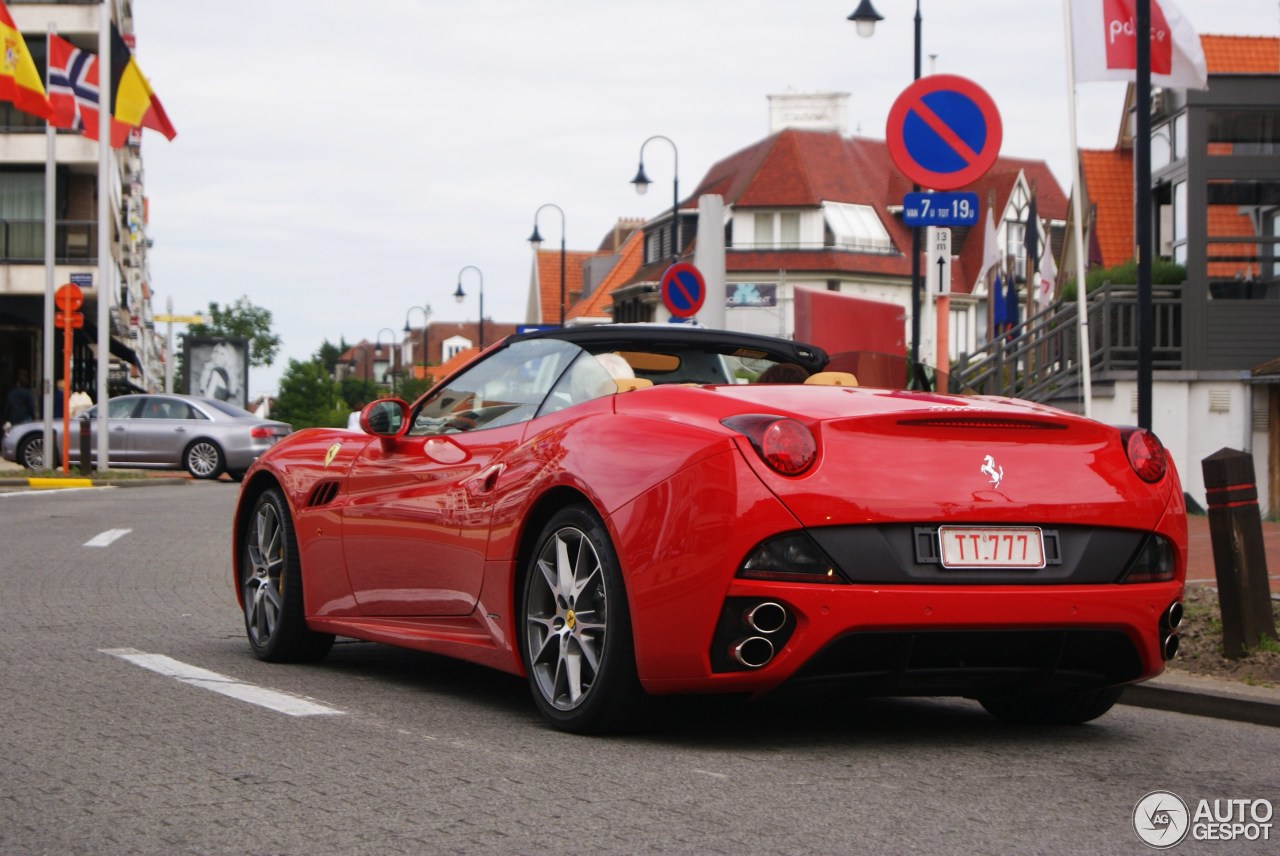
{"points": [[940, 209]]}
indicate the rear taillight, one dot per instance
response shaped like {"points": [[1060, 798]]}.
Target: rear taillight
{"points": [[786, 445], [1155, 563], [262, 432], [1146, 454]]}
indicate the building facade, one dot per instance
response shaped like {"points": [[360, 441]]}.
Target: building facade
{"points": [[136, 358]]}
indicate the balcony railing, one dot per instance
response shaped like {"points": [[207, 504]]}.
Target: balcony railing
{"points": [[22, 241], [1039, 359]]}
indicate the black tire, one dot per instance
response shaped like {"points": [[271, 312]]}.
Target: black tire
{"points": [[30, 453], [271, 587], [203, 459], [1053, 708], [576, 630]]}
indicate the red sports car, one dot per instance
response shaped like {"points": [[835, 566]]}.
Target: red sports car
{"points": [[626, 512]]}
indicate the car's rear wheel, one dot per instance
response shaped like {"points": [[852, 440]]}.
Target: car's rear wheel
{"points": [[30, 452], [271, 586], [577, 645], [1053, 708], [203, 459]]}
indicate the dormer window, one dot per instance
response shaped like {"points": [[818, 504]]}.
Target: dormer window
{"points": [[856, 227]]}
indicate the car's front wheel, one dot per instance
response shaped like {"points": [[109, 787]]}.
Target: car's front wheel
{"points": [[1053, 708], [577, 645], [203, 459], [271, 586], [30, 452]]}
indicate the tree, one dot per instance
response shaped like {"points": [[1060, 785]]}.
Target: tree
{"points": [[309, 397], [328, 354], [242, 319]]}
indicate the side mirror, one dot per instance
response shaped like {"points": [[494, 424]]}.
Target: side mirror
{"points": [[387, 418]]}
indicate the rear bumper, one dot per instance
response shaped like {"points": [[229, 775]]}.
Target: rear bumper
{"points": [[936, 640]]}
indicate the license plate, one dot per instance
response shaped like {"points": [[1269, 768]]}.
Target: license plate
{"points": [[991, 546]]}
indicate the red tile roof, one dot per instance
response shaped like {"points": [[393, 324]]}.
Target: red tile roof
{"points": [[796, 168], [1108, 182], [548, 272], [1241, 54], [629, 258]]}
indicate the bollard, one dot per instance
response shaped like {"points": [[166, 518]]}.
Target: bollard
{"points": [[85, 446], [1239, 560]]}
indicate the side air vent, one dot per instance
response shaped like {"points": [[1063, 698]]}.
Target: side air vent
{"points": [[985, 423], [322, 494]]}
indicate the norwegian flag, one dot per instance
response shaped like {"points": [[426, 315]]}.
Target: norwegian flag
{"points": [[73, 87]]}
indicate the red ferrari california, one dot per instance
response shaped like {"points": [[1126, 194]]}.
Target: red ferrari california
{"points": [[622, 512]]}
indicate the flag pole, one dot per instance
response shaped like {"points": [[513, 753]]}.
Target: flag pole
{"points": [[1077, 234], [1142, 209], [105, 105], [50, 224]]}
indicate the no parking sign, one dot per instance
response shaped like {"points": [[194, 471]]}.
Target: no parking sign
{"points": [[944, 132], [683, 290]]}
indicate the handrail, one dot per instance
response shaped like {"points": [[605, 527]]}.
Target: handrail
{"points": [[1039, 358]]}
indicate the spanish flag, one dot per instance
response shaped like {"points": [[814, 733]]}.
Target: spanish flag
{"points": [[133, 104], [19, 79]]}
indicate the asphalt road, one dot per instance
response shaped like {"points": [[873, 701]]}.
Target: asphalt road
{"points": [[112, 741]]}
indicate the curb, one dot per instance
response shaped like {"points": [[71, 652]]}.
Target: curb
{"points": [[65, 483], [1201, 696]]}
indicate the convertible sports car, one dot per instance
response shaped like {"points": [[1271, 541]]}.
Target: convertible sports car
{"points": [[625, 512]]}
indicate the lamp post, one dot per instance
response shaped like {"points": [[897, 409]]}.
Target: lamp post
{"points": [[377, 346], [536, 240], [426, 318], [642, 182], [866, 16], [459, 295]]}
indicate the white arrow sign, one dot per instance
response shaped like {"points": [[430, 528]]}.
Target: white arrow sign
{"points": [[938, 259]]}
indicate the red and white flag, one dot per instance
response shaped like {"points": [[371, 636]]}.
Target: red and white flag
{"points": [[1104, 46], [73, 87]]}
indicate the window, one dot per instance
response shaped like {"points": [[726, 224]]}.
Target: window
{"points": [[505, 388], [22, 214], [856, 227], [1244, 131]]}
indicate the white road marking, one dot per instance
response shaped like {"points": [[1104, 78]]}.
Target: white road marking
{"points": [[59, 492], [205, 679], [104, 539]]}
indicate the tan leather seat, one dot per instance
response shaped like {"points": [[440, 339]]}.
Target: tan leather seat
{"points": [[627, 384], [832, 379]]}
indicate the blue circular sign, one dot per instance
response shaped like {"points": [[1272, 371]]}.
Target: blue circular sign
{"points": [[683, 290], [944, 132]]}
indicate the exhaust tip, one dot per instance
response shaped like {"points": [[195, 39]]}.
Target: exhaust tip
{"points": [[1170, 646], [752, 652], [767, 617], [1173, 615]]}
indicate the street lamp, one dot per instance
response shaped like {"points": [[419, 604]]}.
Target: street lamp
{"points": [[426, 318], [377, 346], [642, 182], [866, 16], [460, 295], [536, 240]]}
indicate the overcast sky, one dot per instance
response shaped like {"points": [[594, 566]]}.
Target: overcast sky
{"points": [[340, 163]]}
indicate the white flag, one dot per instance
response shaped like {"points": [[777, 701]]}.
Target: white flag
{"points": [[1105, 48], [990, 247], [1046, 278]]}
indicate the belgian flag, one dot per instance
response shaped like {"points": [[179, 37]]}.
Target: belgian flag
{"points": [[133, 104]]}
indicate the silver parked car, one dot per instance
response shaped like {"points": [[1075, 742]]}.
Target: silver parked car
{"points": [[204, 436]]}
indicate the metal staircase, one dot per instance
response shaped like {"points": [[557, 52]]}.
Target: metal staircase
{"points": [[1039, 359]]}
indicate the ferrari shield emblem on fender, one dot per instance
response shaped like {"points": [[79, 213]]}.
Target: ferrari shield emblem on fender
{"points": [[331, 453], [991, 471]]}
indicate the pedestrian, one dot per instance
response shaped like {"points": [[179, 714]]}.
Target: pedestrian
{"points": [[19, 406], [353, 419]]}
